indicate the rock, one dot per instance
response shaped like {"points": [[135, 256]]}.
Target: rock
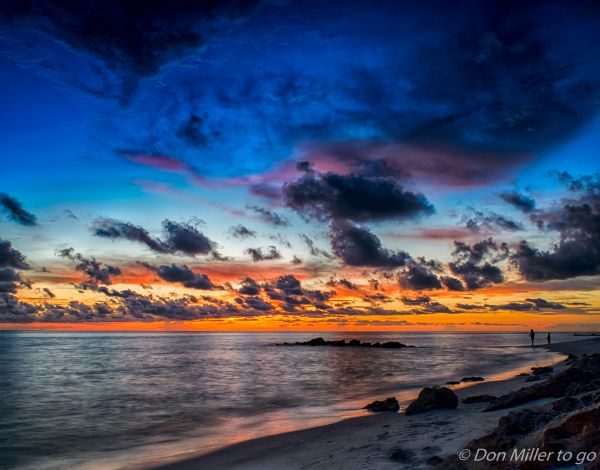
{"points": [[478, 399], [521, 430], [402, 455], [315, 342], [452, 382], [354, 342], [541, 370], [571, 358], [393, 345], [389, 404], [472, 379], [433, 398], [584, 371], [434, 460]]}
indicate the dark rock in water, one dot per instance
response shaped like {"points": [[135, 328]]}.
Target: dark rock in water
{"points": [[315, 342], [523, 374], [433, 398], [452, 382], [434, 460], [393, 345], [472, 379], [389, 404], [402, 455], [478, 399], [584, 371], [342, 342], [541, 370]]}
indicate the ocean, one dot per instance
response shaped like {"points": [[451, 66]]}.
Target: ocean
{"points": [[95, 400]]}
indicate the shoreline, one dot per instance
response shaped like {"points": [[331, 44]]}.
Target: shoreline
{"points": [[373, 440]]}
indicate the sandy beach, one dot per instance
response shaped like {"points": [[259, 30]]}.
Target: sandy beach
{"points": [[381, 440]]}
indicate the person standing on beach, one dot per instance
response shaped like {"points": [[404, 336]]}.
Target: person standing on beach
{"points": [[532, 336], [548, 338]]}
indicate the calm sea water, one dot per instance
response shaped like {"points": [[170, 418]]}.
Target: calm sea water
{"points": [[132, 400]]}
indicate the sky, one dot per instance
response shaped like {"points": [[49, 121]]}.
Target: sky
{"points": [[275, 165]]}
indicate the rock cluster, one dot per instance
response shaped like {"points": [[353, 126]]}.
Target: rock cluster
{"points": [[342, 342], [569, 423]]}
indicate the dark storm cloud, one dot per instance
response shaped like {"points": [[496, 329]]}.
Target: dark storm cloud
{"points": [[288, 290], [250, 287], [356, 246], [421, 275], [97, 272], [136, 35], [353, 197], [187, 239], [241, 231], [475, 264], [263, 254], [269, 217], [15, 211], [185, 276], [451, 283], [490, 222], [9, 257], [518, 200], [178, 237], [576, 220], [9, 280], [115, 229]]}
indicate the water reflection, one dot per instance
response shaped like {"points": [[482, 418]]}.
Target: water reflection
{"points": [[101, 399]]}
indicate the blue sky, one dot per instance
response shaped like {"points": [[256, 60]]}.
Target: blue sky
{"points": [[201, 116]]}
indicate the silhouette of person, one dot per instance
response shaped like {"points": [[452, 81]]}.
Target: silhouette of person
{"points": [[548, 338], [532, 336]]}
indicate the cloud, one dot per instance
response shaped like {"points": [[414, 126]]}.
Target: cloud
{"points": [[269, 217], [577, 221], [545, 304], [134, 36], [114, 229], [353, 197], [97, 272], [178, 237], [187, 239], [475, 264], [357, 246], [249, 287], [312, 248], [185, 276], [15, 211], [421, 299], [420, 275], [491, 222], [241, 231], [518, 200], [9, 257], [263, 254]]}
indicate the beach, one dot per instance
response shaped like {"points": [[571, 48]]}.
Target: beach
{"points": [[382, 440]]}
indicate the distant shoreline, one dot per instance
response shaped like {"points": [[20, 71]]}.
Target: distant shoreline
{"points": [[371, 438]]}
